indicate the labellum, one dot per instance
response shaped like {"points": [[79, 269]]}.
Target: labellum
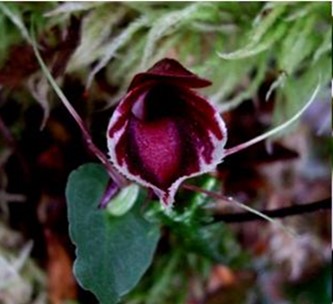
{"points": [[163, 132]]}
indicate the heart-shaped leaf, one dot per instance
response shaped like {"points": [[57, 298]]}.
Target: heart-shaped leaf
{"points": [[112, 252]]}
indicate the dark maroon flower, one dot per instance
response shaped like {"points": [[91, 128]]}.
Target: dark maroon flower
{"points": [[162, 132]]}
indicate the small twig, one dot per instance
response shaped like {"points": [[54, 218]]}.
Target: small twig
{"points": [[253, 214], [241, 217]]}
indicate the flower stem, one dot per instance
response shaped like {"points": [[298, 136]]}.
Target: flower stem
{"points": [[118, 179]]}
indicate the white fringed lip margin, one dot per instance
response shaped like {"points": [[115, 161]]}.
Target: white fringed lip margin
{"points": [[167, 197]]}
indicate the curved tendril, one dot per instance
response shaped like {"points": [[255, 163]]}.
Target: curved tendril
{"points": [[279, 128], [118, 179]]}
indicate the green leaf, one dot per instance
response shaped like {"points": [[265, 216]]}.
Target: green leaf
{"points": [[112, 252]]}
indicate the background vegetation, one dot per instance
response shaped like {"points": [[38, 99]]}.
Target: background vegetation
{"points": [[264, 59]]}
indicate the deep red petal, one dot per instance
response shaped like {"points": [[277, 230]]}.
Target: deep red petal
{"points": [[170, 71]]}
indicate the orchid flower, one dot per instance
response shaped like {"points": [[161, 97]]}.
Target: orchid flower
{"points": [[163, 132]]}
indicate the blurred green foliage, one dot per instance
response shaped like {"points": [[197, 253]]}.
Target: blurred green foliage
{"points": [[234, 44]]}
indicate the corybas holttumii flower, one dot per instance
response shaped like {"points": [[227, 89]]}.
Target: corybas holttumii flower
{"points": [[162, 132]]}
